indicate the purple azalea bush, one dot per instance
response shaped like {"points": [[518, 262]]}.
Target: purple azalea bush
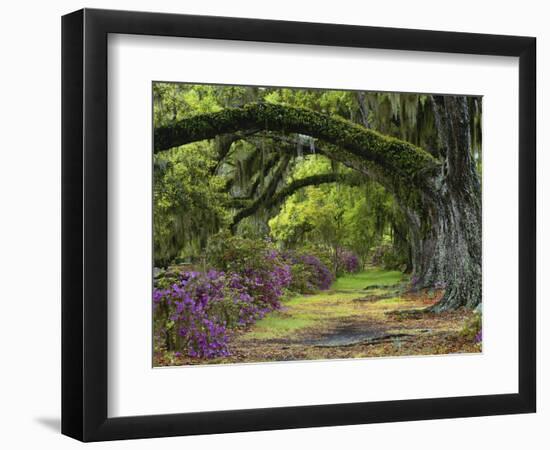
{"points": [[184, 314], [309, 273], [322, 276], [267, 284], [348, 261], [195, 314]]}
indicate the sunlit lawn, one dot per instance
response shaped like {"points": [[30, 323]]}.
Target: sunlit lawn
{"points": [[305, 311], [373, 277]]}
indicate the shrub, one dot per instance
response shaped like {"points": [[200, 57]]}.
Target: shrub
{"points": [[237, 254], [195, 314], [348, 261], [389, 258], [322, 253], [303, 276], [264, 272], [323, 277], [309, 273], [187, 314]]}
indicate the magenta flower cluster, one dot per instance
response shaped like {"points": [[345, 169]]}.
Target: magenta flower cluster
{"points": [[266, 285], [309, 273], [348, 261], [322, 277], [196, 313], [184, 313]]}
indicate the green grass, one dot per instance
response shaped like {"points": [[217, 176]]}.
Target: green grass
{"points": [[305, 311], [279, 322], [359, 281], [390, 301], [321, 297]]}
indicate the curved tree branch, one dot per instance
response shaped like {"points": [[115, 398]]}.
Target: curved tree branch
{"points": [[277, 198], [401, 189], [269, 190], [392, 155]]}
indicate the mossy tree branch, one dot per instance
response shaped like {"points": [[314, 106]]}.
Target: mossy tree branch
{"points": [[404, 191], [392, 155]]}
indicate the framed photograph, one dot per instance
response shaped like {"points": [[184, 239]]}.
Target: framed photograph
{"points": [[273, 225]]}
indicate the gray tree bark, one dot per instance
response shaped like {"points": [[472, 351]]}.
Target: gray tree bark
{"points": [[450, 253]]}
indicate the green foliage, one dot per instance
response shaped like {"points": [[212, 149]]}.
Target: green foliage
{"points": [[187, 202], [333, 216], [389, 257], [321, 252], [302, 274], [236, 253]]}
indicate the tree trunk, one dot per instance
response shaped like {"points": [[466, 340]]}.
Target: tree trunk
{"points": [[453, 247]]}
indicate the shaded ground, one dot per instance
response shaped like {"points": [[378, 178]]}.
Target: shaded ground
{"points": [[363, 315]]}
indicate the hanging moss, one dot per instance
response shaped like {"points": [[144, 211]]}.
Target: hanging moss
{"points": [[267, 202]]}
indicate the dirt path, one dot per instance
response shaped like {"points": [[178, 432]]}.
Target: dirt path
{"points": [[353, 320]]}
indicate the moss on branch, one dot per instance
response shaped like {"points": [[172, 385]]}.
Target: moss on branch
{"points": [[399, 157]]}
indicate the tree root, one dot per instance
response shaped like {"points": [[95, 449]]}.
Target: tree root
{"points": [[375, 340], [377, 298], [383, 286], [414, 314]]}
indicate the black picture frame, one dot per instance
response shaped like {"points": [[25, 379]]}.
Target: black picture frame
{"points": [[84, 224]]}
